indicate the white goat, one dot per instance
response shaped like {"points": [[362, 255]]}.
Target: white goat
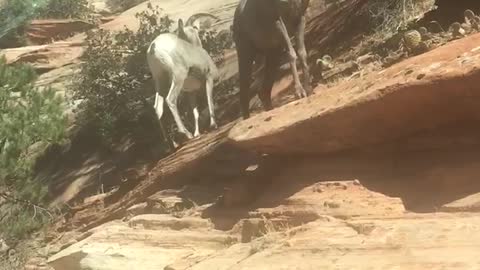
{"points": [[178, 62]]}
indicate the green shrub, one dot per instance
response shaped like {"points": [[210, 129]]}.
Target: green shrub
{"points": [[30, 121], [14, 16], [215, 44], [64, 9], [20, 221]]}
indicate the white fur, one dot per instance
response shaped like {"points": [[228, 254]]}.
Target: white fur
{"points": [[172, 60]]}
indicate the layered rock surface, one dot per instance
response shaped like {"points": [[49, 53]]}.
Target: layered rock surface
{"points": [[320, 226], [409, 243], [119, 246]]}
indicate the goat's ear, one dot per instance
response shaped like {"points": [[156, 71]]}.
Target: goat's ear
{"points": [[196, 24], [180, 25]]}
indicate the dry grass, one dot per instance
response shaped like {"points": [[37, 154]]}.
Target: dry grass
{"points": [[388, 16]]}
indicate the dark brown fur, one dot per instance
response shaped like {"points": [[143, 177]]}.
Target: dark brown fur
{"points": [[257, 29]]}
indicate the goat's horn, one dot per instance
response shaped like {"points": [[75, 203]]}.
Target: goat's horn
{"points": [[196, 16], [327, 57]]}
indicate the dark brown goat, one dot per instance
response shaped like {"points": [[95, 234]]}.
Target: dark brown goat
{"points": [[264, 27]]}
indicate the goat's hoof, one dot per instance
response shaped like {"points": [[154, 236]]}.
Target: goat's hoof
{"points": [[196, 134], [309, 91], [189, 135], [299, 95], [300, 92], [245, 115], [175, 145], [305, 93], [213, 126]]}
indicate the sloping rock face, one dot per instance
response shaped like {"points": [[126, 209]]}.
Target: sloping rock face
{"points": [[469, 203], [420, 94], [43, 31], [188, 162], [45, 58]]}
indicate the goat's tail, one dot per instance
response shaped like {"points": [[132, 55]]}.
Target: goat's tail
{"points": [[151, 49]]}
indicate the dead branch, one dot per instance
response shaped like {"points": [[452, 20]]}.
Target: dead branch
{"points": [[11, 199]]}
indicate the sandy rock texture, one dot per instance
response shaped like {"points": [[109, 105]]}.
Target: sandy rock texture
{"points": [[120, 246]]}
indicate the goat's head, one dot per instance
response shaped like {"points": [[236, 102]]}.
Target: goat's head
{"points": [[469, 14], [189, 31]]}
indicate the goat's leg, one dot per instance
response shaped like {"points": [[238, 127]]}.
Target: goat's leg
{"points": [[245, 54], [302, 53], [299, 90], [211, 105], [158, 106], [272, 61], [172, 99], [193, 102]]}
